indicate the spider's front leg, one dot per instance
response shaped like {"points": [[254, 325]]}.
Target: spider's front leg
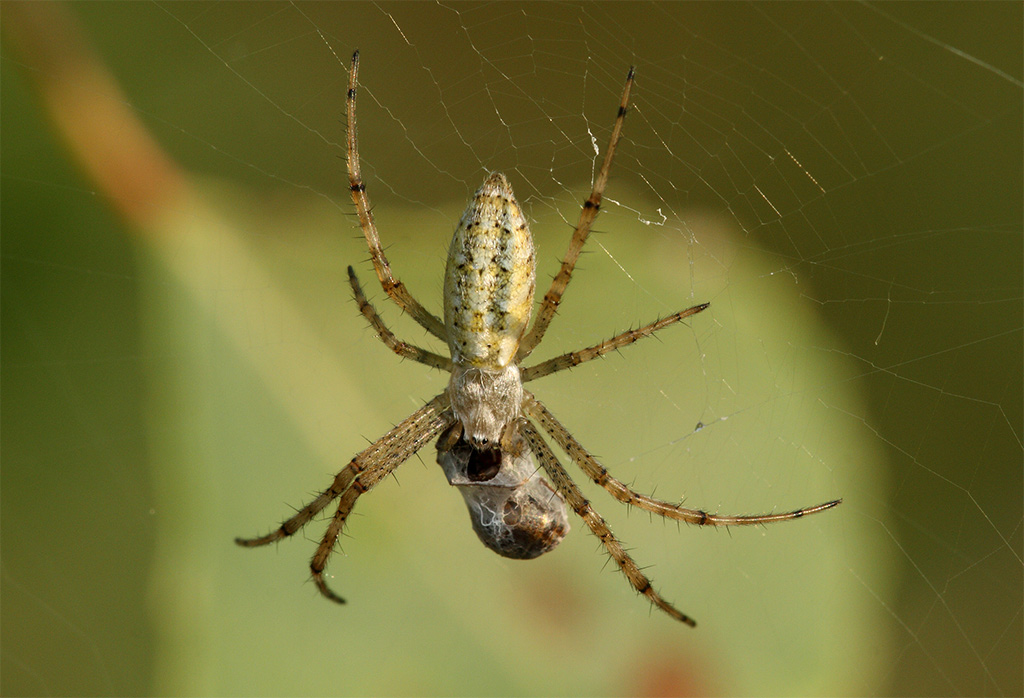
{"points": [[598, 526], [361, 474], [618, 489]]}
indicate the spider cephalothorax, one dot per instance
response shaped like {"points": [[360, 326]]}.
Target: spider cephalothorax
{"points": [[489, 446]]}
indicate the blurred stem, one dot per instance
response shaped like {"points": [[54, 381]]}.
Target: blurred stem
{"points": [[192, 250], [91, 114]]}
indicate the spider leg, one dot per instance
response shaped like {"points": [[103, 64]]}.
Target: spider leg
{"points": [[616, 488], [589, 212], [408, 351], [392, 286], [595, 522], [326, 547], [362, 483], [575, 358], [370, 466]]}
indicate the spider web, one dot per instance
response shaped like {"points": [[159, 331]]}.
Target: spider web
{"points": [[841, 182]]}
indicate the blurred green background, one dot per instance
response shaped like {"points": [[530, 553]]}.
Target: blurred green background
{"points": [[843, 184]]}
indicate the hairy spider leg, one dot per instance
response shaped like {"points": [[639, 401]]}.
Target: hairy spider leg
{"points": [[392, 286], [591, 207]]}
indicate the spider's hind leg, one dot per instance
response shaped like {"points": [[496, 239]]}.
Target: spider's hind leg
{"points": [[392, 286], [575, 358], [591, 207]]}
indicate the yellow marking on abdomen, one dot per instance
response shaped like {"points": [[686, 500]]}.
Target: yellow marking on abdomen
{"points": [[489, 279]]}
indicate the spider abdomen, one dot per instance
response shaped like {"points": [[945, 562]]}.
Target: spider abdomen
{"points": [[489, 279]]}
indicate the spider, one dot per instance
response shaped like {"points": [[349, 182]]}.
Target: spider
{"points": [[485, 420]]}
